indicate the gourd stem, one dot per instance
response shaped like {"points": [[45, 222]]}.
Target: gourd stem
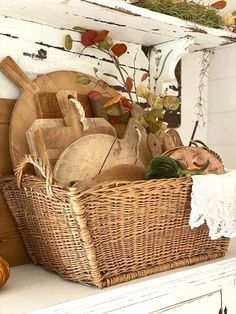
{"points": [[183, 172]]}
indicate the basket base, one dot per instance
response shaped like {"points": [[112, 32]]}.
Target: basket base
{"points": [[157, 269]]}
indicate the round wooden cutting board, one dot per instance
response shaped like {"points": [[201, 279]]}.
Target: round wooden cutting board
{"points": [[25, 113]]}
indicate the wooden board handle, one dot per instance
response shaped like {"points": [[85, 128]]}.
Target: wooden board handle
{"points": [[11, 69], [69, 111]]}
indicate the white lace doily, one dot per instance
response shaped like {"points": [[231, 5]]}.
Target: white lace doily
{"points": [[213, 200]]}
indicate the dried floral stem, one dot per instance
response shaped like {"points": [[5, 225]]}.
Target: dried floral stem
{"points": [[206, 59], [119, 68], [134, 75], [117, 64]]}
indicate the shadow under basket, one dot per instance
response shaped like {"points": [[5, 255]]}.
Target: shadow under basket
{"points": [[109, 233]]}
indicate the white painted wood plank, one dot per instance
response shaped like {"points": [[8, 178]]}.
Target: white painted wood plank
{"points": [[23, 45], [211, 304], [135, 24], [51, 37]]}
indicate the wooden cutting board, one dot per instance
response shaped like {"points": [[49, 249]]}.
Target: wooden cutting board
{"points": [[51, 141], [40, 124], [25, 113], [11, 244], [154, 145], [171, 140], [96, 153], [47, 106]]}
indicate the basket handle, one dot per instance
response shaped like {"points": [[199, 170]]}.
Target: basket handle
{"points": [[38, 163], [196, 142]]}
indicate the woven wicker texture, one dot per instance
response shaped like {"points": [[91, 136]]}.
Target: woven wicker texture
{"points": [[109, 233]]}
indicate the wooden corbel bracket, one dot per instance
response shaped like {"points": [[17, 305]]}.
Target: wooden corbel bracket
{"points": [[163, 60]]}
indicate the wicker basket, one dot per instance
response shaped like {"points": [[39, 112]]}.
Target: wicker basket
{"points": [[109, 233]]}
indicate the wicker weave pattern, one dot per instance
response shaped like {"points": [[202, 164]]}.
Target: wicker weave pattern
{"points": [[112, 232]]}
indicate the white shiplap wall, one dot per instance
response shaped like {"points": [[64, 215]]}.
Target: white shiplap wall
{"points": [[222, 105]]}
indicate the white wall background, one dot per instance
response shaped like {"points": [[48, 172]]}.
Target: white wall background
{"points": [[222, 105]]}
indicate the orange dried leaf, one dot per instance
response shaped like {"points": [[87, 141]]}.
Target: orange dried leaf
{"points": [[126, 103], [119, 49], [113, 101], [101, 36], [219, 5], [144, 77], [94, 95], [88, 37], [129, 84], [234, 30]]}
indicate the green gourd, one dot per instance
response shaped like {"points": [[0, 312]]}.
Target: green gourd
{"points": [[163, 167]]}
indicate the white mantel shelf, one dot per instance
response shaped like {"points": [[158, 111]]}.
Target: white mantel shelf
{"points": [[125, 22], [31, 289]]}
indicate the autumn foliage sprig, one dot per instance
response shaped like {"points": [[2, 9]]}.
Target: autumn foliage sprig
{"points": [[100, 40], [153, 117]]}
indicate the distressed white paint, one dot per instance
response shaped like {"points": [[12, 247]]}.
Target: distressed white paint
{"points": [[126, 22], [222, 105], [28, 38]]}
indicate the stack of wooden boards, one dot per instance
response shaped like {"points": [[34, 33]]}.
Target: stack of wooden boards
{"points": [[88, 150], [47, 122]]}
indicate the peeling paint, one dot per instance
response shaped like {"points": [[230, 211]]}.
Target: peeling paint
{"points": [[105, 22], [197, 30], [232, 39], [9, 35], [50, 46], [119, 9], [41, 55]]}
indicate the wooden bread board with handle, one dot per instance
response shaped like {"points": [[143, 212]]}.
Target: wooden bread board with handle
{"points": [[11, 245], [25, 113]]}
